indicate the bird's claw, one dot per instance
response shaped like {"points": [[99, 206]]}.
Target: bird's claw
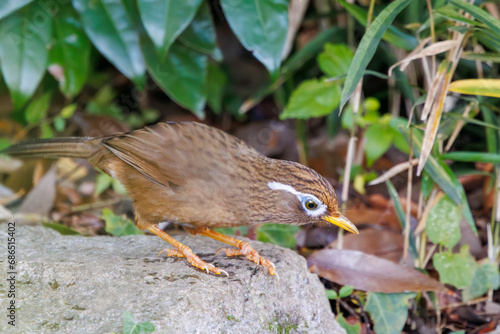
{"points": [[193, 259], [251, 254]]}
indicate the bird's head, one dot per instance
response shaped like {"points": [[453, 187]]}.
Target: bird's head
{"points": [[309, 198]]}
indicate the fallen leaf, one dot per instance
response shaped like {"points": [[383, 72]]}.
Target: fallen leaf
{"points": [[381, 243], [369, 273], [40, 199]]}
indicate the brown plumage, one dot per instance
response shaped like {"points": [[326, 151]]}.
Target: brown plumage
{"points": [[201, 178]]}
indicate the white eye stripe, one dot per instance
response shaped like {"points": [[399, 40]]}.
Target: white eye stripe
{"points": [[301, 196]]}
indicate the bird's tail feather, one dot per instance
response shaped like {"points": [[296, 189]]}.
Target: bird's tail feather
{"points": [[54, 148]]}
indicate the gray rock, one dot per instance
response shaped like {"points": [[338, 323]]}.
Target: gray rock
{"points": [[74, 284]]}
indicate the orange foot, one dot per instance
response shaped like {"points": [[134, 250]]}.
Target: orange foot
{"points": [[184, 251], [246, 250], [193, 259]]}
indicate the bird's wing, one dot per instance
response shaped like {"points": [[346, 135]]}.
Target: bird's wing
{"points": [[168, 153]]}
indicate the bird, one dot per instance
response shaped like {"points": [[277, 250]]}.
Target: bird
{"points": [[201, 178]]}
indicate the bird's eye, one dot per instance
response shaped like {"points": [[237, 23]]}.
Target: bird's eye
{"points": [[310, 205]]}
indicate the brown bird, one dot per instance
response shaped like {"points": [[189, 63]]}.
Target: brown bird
{"points": [[200, 178]]}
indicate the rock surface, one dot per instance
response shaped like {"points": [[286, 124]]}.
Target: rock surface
{"points": [[74, 284]]}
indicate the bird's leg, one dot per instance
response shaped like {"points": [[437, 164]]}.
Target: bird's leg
{"points": [[244, 248], [183, 251]]}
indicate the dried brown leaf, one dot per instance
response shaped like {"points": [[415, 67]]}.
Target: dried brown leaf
{"points": [[382, 243], [40, 199], [431, 50], [369, 273]]}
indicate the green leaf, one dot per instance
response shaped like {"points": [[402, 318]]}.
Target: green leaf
{"points": [[482, 87], [455, 269], [131, 327], [426, 184], [492, 137], [346, 291], [484, 57], [119, 225], [393, 35], [217, 80], [38, 108], [472, 157], [368, 46], [335, 59], [70, 51], [47, 131], [313, 98], [378, 140], [68, 111], [62, 229], [479, 14], [388, 311], [443, 223], [118, 187], [200, 33], [165, 20], [4, 143], [10, 6], [464, 204], [59, 123], [24, 52], [182, 74], [112, 32], [485, 278], [401, 216], [277, 234], [261, 26], [452, 13], [350, 329], [103, 182], [331, 294]]}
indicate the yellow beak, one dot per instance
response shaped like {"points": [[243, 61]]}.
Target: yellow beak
{"points": [[343, 222]]}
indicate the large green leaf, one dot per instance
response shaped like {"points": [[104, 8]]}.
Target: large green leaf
{"points": [[112, 32], [473, 157], [388, 311], [368, 46], [200, 34], [9, 6], [37, 109], [486, 277], [378, 140], [24, 52], [335, 59], [182, 74], [393, 35], [165, 20], [215, 90], [70, 52], [313, 98], [479, 14], [443, 223], [261, 26], [455, 269]]}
